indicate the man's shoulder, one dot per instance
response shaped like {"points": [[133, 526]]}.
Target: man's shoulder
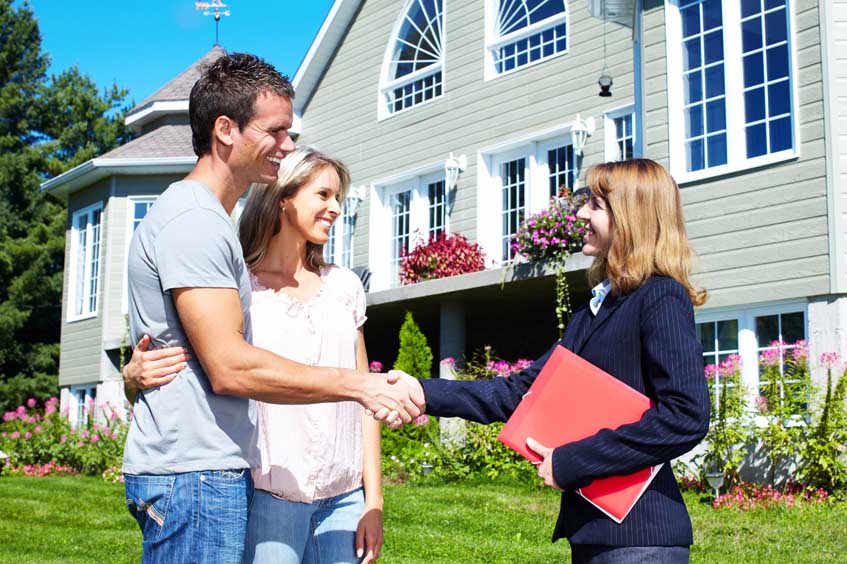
{"points": [[185, 204]]}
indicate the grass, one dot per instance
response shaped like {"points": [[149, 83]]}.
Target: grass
{"points": [[83, 520]]}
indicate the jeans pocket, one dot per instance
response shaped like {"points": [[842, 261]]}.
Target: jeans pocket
{"points": [[148, 499], [234, 476]]}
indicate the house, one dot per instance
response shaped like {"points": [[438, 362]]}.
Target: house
{"points": [[738, 99]]}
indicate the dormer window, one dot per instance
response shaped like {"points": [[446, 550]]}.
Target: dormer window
{"points": [[523, 32], [413, 70]]}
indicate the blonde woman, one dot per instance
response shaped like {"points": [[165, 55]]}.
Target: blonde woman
{"points": [[638, 327], [318, 495]]}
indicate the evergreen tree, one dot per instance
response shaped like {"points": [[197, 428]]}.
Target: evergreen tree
{"points": [[47, 126], [414, 356]]}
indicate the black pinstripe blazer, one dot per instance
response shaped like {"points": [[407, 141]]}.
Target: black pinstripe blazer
{"points": [[646, 339]]}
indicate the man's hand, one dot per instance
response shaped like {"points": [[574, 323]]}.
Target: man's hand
{"points": [[398, 399], [149, 369], [545, 469]]}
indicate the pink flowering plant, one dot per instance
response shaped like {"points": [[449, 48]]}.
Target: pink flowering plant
{"points": [[748, 496], [440, 257], [552, 235], [784, 370], [729, 424], [40, 440]]}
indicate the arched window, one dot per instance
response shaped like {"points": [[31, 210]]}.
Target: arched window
{"points": [[522, 32], [412, 72]]}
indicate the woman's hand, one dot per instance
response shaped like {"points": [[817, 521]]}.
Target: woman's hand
{"points": [[545, 469], [149, 369], [369, 534]]}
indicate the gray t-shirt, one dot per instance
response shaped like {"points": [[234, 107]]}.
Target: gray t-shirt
{"points": [[185, 241]]}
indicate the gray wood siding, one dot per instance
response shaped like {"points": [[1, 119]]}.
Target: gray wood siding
{"points": [[341, 118], [81, 350], [760, 235], [838, 118], [114, 326]]}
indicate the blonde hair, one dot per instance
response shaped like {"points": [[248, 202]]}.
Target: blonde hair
{"points": [[647, 227], [260, 219]]}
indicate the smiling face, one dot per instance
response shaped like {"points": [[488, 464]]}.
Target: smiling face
{"points": [[598, 226], [312, 210], [263, 142]]}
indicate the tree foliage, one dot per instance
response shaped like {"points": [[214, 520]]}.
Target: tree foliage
{"points": [[414, 356], [47, 126]]}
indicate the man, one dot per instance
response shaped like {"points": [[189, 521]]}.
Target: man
{"points": [[190, 443]]}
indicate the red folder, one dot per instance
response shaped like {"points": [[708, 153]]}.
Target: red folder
{"points": [[572, 399]]}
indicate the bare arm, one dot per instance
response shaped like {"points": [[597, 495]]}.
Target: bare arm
{"points": [[369, 533], [213, 321]]}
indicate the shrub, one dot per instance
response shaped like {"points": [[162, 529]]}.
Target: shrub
{"points": [[414, 356], [40, 441], [442, 256], [747, 496], [17, 390]]}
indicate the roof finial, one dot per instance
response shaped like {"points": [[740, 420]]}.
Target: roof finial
{"points": [[216, 10]]}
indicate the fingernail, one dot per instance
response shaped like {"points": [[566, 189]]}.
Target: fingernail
{"points": [[359, 553]]}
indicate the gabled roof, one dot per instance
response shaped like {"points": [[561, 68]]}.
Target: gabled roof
{"points": [[320, 53], [173, 96]]}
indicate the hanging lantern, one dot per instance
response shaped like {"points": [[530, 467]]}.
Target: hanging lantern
{"points": [[605, 82]]}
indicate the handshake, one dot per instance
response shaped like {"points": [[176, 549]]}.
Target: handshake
{"points": [[394, 398]]}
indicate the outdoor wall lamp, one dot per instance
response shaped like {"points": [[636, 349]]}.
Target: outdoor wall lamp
{"points": [[581, 130], [453, 166], [355, 196]]}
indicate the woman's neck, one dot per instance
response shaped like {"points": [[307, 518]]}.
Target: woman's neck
{"points": [[286, 255]]}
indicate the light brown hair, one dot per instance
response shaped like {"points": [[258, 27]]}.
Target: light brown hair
{"points": [[260, 219], [647, 227]]}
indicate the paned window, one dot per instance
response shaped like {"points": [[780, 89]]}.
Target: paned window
{"points": [[730, 83], [437, 208], [624, 137], [779, 333], [83, 409], [414, 66], [339, 248], [400, 234], [85, 261], [513, 193], [561, 165], [525, 32]]}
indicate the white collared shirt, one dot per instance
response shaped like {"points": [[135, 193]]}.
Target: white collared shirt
{"points": [[598, 294]]}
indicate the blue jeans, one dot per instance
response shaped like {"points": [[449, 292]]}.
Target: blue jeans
{"points": [[191, 517], [288, 532], [599, 554]]}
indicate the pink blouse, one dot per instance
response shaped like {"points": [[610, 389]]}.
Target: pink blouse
{"points": [[310, 452]]}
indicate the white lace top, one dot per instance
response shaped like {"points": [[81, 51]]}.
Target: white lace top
{"points": [[310, 452]]}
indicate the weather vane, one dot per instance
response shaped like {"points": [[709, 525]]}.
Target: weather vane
{"points": [[213, 8]]}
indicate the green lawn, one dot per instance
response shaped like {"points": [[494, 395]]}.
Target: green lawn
{"points": [[73, 519]]}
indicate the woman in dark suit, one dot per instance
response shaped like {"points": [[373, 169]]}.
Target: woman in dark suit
{"points": [[639, 327]]}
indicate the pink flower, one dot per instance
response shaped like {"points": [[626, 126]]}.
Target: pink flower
{"points": [[21, 410], [84, 434], [10, 416], [30, 402], [3, 434], [375, 366], [711, 370], [422, 419], [63, 439], [37, 429], [770, 357], [762, 404], [449, 361], [114, 415], [521, 364], [95, 438], [800, 352], [114, 435], [829, 359], [27, 435], [15, 435]]}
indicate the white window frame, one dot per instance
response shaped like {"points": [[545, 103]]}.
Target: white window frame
{"points": [[86, 311], [748, 346], [88, 394], [610, 133], [534, 148], [734, 92], [493, 39], [387, 83], [380, 251], [130, 213]]}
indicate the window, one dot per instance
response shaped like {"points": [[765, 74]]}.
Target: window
{"points": [[414, 63], [400, 215], [85, 261], [513, 194], [523, 32], [437, 208], [620, 134], [339, 248], [518, 179], [730, 85], [138, 208], [749, 334], [83, 398]]}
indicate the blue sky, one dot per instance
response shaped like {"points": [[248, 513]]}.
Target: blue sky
{"points": [[142, 45]]}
